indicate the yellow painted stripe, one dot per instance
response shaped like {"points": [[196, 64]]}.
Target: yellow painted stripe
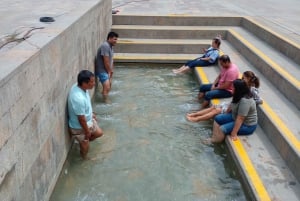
{"points": [[274, 33], [274, 65], [202, 75], [250, 171], [150, 57], [162, 41], [242, 154], [281, 126]]}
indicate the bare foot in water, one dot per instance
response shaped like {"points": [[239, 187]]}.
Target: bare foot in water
{"points": [[207, 141], [191, 118]]}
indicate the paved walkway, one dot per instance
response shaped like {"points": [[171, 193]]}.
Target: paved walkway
{"points": [[281, 16]]}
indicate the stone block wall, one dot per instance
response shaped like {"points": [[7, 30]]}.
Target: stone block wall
{"points": [[35, 78]]}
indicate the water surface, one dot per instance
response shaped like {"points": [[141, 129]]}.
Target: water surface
{"points": [[149, 151]]}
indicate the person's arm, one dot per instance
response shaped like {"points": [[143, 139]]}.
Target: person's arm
{"points": [[224, 85], [258, 100], [94, 116], [205, 58], [83, 123], [228, 109], [215, 82], [237, 125]]}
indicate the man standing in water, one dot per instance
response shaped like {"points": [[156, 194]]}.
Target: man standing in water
{"points": [[83, 125], [104, 63]]}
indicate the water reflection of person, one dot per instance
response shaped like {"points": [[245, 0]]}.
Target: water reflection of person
{"points": [[243, 117], [104, 68], [83, 124]]}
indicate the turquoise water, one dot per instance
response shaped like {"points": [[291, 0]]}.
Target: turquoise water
{"points": [[149, 151]]}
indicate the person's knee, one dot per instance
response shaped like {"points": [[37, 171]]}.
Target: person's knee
{"points": [[106, 87], [218, 119], [98, 132]]}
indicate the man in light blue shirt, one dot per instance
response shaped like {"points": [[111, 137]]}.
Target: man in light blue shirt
{"points": [[83, 125]]}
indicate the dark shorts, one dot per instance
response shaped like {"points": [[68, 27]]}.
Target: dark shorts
{"points": [[103, 77]]}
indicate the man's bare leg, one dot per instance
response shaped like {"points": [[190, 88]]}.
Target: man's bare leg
{"points": [[201, 95], [204, 104], [98, 133], [106, 88], [84, 148]]}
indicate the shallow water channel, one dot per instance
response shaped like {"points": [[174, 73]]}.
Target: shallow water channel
{"points": [[149, 151]]}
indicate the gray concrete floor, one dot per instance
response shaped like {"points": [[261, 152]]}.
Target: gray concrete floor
{"points": [[281, 16]]}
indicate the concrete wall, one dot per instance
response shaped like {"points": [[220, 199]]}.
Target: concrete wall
{"points": [[35, 79]]}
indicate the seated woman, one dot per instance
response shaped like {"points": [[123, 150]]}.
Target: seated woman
{"points": [[209, 57], [253, 83], [243, 117]]}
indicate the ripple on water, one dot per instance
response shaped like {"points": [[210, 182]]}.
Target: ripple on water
{"points": [[149, 150]]}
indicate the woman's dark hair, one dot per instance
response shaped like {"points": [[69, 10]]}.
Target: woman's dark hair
{"points": [[254, 81], [240, 90], [217, 40], [224, 58], [112, 34], [84, 76]]}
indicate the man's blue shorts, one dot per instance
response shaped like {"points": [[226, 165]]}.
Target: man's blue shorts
{"points": [[103, 77]]}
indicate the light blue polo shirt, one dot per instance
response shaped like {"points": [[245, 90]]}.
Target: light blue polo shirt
{"points": [[79, 103], [213, 54]]}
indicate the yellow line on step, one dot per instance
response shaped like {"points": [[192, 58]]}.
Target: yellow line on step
{"points": [[267, 59]]}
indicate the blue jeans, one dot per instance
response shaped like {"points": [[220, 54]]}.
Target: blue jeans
{"points": [[216, 93], [197, 62], [226, 123]]}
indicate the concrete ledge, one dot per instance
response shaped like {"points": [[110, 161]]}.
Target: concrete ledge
{"points": [[176, 20], [35, 79], [163, 46], [284, 81], [153, 58], [168, 32], [286, 46], [281, 136]]}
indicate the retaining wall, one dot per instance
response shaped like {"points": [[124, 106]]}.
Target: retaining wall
{"points": [[35, 78]]}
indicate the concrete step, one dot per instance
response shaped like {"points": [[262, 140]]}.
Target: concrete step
{"points": [[176, 46], [278, 117], [290, 47], [176, 20], [169, 32], [153, 58], [283, 72], [264, 171], [278, 180]]}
